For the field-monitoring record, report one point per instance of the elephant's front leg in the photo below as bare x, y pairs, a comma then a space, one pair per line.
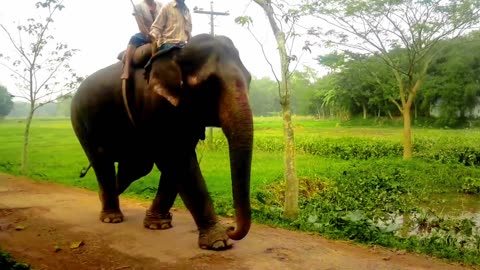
158, 216
193, 190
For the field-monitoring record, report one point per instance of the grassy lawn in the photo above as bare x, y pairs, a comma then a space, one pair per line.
353, 178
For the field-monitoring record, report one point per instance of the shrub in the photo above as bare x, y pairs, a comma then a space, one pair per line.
7, 262
471, 185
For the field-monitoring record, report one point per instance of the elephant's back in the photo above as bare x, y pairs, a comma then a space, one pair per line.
100, 88
101, 82
97, 103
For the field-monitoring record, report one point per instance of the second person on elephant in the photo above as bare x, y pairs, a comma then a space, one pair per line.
145, 14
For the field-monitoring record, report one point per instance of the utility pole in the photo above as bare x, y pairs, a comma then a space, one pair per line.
212, 13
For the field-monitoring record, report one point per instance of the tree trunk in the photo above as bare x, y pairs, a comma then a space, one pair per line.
364, 107
407, 132
26, 138
291, 191
415, 108
390, 114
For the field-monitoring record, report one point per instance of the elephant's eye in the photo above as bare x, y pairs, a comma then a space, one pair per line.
239, 84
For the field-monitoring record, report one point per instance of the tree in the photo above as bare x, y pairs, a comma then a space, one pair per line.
363, 80
39, 65
321, 103
355, 84
378, 26
6, 103
302, 84
454, 80
281, 16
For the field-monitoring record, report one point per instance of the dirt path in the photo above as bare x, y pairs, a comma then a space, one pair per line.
57, 215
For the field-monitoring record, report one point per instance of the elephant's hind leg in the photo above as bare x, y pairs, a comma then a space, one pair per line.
105, 172
158, 217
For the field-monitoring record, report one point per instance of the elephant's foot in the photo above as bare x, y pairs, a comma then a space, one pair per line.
214, 238
154, 221
111, 216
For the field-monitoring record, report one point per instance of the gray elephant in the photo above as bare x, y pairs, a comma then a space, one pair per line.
203, 84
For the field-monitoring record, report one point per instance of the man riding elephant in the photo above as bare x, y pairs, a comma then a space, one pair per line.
173, 26
145, 13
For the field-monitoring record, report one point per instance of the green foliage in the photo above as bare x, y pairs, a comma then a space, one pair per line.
453, 81
303, 89
375, 203
422, 73
450, 91
7, 262
444, 150
264, 94
6, 103
360, 85
263, 97
471, 185
350, 148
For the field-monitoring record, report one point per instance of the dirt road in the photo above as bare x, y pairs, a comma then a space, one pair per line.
55, 215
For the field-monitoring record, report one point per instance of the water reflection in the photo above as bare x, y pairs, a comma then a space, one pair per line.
456, 205
462, 210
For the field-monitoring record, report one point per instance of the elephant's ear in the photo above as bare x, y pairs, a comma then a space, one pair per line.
166, 93
198, 60
206, 69
166, 80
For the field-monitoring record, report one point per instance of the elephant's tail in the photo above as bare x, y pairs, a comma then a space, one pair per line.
84, 171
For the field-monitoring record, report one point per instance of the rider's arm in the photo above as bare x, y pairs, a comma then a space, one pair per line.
158, 26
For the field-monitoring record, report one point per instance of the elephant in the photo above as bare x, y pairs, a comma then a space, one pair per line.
170, 103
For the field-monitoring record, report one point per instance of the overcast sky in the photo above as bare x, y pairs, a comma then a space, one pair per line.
101, 29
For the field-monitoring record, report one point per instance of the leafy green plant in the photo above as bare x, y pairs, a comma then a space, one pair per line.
7, 262
471, 185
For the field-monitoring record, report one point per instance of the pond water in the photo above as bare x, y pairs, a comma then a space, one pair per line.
456, 205
436, 208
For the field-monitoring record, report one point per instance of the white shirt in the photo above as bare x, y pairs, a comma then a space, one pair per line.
143, 10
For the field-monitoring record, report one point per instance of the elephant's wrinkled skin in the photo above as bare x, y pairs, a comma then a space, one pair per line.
168, 122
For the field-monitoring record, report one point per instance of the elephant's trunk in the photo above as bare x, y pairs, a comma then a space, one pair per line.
237, 124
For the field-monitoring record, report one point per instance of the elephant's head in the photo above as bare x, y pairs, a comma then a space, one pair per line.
208, 79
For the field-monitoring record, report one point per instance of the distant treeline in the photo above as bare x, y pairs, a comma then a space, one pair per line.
360, 85
60, 108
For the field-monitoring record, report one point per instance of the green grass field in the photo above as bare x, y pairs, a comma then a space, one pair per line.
353, 178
